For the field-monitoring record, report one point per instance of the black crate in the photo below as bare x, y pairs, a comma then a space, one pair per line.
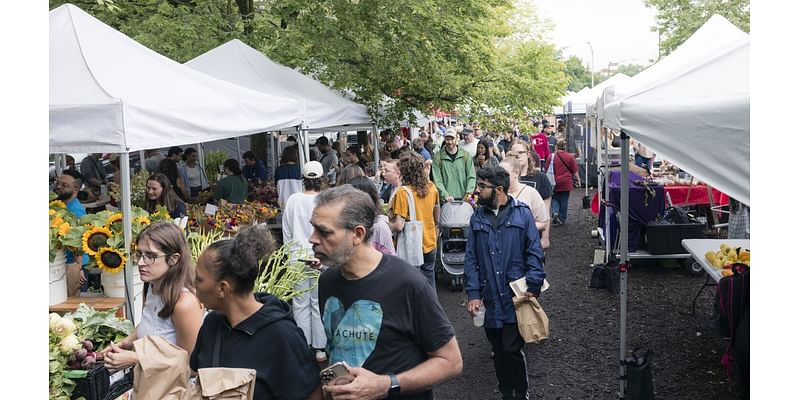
100, 384
666, 238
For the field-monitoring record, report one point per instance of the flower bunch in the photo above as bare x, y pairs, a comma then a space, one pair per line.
65, 231
230, 217
104, 241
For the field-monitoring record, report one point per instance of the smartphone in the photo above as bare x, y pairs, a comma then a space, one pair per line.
336, 374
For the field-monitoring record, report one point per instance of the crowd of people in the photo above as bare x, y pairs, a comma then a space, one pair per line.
348, 218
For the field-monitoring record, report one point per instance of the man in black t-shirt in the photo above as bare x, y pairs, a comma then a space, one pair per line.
380, 315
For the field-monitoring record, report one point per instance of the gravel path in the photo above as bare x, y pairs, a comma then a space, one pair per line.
580, 359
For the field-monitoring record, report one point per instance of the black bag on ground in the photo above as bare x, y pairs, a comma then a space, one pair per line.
639, 375
598, 280
605, 276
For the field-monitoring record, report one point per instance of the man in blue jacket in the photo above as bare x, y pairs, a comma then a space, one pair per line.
502, 246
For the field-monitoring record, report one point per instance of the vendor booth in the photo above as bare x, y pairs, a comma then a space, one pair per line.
110, 94
693, 110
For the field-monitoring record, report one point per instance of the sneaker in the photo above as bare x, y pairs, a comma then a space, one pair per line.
321, 356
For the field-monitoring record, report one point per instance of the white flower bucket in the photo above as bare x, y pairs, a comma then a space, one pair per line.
58, 279
114, 286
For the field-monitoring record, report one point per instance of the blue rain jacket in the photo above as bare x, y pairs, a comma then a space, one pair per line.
497, 256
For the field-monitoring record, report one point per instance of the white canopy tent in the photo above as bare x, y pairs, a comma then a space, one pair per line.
109, 93
695, 112
323, 109
716, 33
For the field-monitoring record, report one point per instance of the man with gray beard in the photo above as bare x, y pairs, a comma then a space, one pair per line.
381, 317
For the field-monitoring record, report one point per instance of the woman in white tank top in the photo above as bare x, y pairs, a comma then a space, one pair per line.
171, 309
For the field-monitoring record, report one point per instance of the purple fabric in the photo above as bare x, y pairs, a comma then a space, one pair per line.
639, 214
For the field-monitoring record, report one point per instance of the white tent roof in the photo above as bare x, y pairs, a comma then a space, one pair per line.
716, 33
587, 96
323, 108
109, 93
698, 118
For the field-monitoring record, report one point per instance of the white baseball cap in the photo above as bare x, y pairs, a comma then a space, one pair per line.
312, 170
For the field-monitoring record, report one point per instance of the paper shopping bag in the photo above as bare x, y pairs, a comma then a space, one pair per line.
162, 371
534, 326
225, 384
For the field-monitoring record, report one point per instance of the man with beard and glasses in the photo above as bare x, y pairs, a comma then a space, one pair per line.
381, 316
67, 188
502, 246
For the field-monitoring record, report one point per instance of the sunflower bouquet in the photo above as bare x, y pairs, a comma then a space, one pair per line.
103, 239
65, 231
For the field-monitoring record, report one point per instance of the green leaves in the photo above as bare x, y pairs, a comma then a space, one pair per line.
678, 19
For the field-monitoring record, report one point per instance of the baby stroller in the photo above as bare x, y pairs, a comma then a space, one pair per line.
453, 224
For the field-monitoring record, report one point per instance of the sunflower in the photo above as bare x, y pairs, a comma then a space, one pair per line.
95, 238
115, 217
58, 204
63, 229
110, 260
57, 221
142, 219
51, 212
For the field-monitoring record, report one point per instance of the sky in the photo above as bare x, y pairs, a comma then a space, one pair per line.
619, 30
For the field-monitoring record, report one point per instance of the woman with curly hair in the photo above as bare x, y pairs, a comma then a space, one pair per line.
418, 188
250, 330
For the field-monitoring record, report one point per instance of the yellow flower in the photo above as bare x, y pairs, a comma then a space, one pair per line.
57, 221
51, 212
142, 219
63, 229
58, 204
94, 239
115, 217
110, 260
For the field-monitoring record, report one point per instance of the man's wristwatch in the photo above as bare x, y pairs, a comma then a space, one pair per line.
394, 387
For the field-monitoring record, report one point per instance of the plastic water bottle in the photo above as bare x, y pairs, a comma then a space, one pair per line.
479, 316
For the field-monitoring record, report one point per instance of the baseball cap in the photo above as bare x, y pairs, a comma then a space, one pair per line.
450, 132
545, 123
322, 140
312, 170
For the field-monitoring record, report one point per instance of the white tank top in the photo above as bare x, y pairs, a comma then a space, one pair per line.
152, 324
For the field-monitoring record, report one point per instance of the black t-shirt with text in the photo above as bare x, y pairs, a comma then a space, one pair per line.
385, 322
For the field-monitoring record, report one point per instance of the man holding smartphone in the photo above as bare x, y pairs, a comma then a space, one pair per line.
381, 316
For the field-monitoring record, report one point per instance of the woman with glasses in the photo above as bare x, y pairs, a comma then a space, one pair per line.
531, 175
171, 308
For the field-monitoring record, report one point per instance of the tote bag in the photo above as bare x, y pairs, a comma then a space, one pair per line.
409, 241
550, 174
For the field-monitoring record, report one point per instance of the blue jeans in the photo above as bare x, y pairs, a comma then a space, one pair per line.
643, 162
428, 259
559, 205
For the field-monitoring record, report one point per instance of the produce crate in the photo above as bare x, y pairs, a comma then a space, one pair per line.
99, 384
666, 238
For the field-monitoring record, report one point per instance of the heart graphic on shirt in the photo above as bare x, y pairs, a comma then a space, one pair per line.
352, 332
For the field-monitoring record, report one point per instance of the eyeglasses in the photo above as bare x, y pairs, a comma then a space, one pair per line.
147, 258
482, 186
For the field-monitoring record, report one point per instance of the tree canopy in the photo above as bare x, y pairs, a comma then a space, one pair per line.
676, 20
393, 56
579, 75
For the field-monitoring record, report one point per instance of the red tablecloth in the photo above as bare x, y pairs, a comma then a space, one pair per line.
694, 195
697, 195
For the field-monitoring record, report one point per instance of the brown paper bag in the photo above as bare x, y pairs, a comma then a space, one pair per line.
162, 371
534, 326
224, 384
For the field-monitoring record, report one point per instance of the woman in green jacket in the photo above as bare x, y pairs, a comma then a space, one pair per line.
233, 187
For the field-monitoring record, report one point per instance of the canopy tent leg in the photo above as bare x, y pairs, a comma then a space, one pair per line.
59, 161
376, 155
239, 148
623, 262
606, 193
125, 202
306, 148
